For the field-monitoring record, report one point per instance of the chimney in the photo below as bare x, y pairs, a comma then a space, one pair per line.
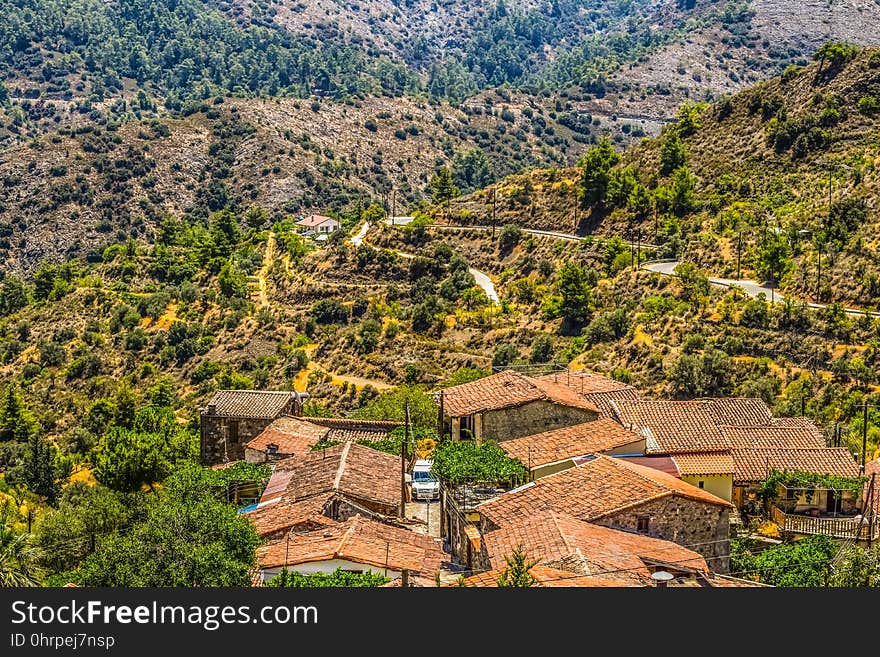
661, 578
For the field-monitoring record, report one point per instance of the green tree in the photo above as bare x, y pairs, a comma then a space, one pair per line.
471, 170
391, 404
232, 281
13, 295
18, 558
542, 349
574, 289
596, 165
189, 537
774, 256
517, 574
804, 563
16, 422
673, 154
443, 187
68, 535
858, 566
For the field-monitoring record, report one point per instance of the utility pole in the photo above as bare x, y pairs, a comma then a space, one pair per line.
739, 244
871, 511
393, 205
818, 271
403, 445
638, 247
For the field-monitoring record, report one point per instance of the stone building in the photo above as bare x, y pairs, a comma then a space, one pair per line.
336, 483
509, 405
234, 417
614, 493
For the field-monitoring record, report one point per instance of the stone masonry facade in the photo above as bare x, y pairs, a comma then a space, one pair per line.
531, 418
703, 528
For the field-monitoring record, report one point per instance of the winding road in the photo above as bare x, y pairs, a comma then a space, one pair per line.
482, 279
751, 288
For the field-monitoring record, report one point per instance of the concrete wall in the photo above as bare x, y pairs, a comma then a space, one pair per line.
701, 527
531, 418
328, 567
719, 485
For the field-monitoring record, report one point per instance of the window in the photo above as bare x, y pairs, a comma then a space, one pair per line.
642, 523
701, 484
467, 424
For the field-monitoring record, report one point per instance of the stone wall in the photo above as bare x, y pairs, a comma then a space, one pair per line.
701, 527
234, 431
531, 418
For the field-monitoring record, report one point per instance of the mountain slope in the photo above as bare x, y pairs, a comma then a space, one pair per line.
760, 161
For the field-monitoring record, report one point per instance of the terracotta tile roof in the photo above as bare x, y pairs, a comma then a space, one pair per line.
551, 446
362, 541
296, 435
600, 487
584, 381
754, 464
349, 469
565, 542
704, 463
711, 425
505, 389
656, 461
353, 423
263, 404
276, 516
603, 400
545, 577
788, 433
670, 426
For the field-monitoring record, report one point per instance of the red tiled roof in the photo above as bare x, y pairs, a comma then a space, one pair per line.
562, 541
559, 444
360, 540
711, 425
704, 463
277, 516
584, 381
313, 220
263, 404
600, 487
296, 435
755, 464
656, 462
506, 389
544, 577
783, 433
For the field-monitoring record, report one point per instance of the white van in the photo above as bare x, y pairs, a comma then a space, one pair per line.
425, 486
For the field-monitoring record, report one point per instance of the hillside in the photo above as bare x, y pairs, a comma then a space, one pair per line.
73, 192
757, 163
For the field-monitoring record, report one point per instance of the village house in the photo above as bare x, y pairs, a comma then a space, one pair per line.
357, 544
296, 436
337, 482
608, 491
234, 417
561, 541
509, 405
552, 451
316, 224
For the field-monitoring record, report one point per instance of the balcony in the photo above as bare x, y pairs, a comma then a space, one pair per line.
836, 526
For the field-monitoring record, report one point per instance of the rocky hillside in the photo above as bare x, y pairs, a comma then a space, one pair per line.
795, 158
73, 192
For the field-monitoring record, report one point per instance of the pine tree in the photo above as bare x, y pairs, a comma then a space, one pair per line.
517, 572
16, 422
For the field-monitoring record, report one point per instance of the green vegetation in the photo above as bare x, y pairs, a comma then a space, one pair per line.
516, 573
464, 461
809, 482
337, 579
804, 563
